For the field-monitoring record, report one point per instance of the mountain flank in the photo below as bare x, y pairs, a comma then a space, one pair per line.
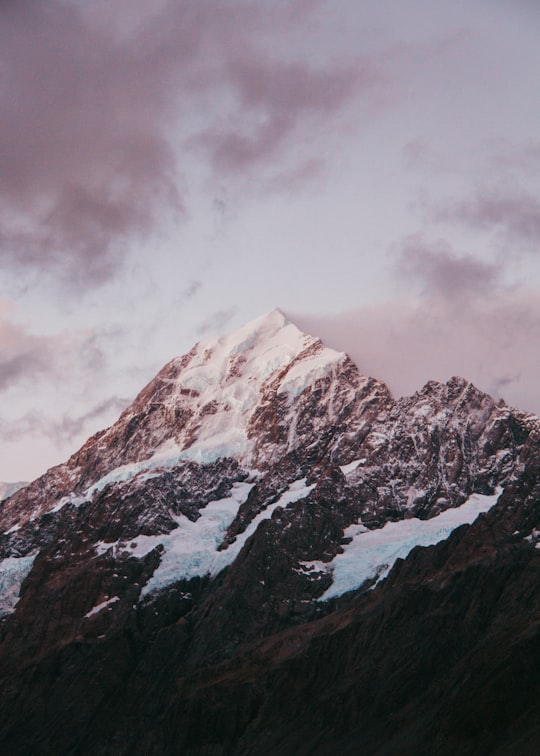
268, 553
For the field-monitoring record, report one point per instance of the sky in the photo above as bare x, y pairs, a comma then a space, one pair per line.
171, 170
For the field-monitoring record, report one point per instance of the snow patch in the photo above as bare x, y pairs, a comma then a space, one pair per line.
372, 553
309, 370
191, 549
13, 572
8, 489
346, 469
72, 499
100, 607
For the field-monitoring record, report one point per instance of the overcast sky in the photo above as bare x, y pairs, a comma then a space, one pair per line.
170, 170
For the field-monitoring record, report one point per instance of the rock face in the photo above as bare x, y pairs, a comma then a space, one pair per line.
268, 553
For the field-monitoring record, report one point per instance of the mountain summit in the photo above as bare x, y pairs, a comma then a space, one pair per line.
262, 524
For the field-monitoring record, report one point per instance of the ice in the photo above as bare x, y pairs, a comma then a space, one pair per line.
123, 473
72, 499
191, 549
13, 571
346, 469
307, 371
372, 553
8, 489
100, 607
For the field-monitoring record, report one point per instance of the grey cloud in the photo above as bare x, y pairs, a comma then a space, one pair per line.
419, 155
514, 214
13, 367
83, 168
22, 355
72, 426
297, 177
277, 99
441, 272
94, 111
62, 431
500, 203
27, 359
190, 291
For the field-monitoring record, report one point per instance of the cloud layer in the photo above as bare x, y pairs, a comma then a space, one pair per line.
100, 119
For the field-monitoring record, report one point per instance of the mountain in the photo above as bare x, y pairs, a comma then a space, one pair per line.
268, 553
7, 489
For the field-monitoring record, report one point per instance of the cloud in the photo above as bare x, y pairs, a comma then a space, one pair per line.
63, 431
493, 342
94, 113
441, 272
499, 198
23, 356
455, 312
30, 360
276, 100
513, 215
420, 156
83, 166
189, 292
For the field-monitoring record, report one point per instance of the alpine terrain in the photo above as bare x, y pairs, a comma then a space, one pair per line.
269, 554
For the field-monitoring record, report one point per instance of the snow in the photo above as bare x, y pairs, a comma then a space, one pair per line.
126, 472
372, 553
104, 605
230, 373
191, 549
8, 489
309, 370
13, 572
534, 537
72, 499
346, 469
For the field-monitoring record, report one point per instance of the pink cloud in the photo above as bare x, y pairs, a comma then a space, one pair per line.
63, 430
278, 100
28, 359
493, 342
94, 112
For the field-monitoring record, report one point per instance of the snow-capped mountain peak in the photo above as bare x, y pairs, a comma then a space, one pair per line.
234, 396
258, 483
201, 406
250, 355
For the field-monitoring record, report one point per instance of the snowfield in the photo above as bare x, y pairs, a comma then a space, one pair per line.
191, 549
13, 571
372, 553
